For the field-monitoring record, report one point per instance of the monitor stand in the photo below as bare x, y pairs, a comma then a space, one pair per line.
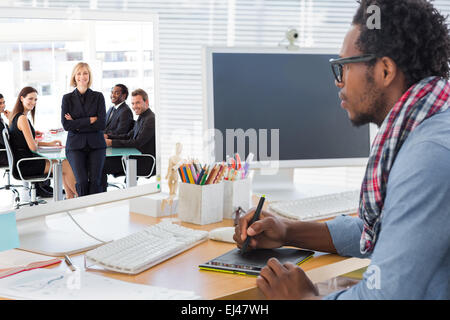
279, 186
276, 186
58, 235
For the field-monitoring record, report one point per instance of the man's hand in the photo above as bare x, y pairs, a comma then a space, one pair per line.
269, 232
108, 142
105, 135
92, 119
285, 282
68, 116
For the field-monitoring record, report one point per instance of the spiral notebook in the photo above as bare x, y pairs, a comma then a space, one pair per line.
253, 261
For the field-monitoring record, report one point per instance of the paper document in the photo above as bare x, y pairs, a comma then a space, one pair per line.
55, 284
19, 258
15, 261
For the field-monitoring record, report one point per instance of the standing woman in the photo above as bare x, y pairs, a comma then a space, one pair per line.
23, 143
83, 115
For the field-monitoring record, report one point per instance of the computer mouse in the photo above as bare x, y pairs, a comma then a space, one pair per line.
224, 234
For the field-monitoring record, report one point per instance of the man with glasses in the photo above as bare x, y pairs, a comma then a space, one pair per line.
395, 77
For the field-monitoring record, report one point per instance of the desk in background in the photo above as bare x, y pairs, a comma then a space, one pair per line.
60, 155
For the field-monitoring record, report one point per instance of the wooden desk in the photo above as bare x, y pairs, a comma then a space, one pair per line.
182, 272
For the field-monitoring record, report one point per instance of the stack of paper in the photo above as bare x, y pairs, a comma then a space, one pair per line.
15, 261
16, 258
54, 284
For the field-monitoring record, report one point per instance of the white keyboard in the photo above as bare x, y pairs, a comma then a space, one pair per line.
146, 248
319, 207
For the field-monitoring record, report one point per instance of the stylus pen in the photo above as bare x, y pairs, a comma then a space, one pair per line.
69, 263
255, 218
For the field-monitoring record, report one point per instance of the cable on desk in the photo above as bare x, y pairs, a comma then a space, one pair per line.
82, 229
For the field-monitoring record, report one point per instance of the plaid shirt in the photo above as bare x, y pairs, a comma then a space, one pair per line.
420, 102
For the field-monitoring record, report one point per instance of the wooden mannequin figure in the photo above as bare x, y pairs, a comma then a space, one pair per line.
172, 176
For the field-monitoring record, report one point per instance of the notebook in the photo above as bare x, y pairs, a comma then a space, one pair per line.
16, 261
253, 261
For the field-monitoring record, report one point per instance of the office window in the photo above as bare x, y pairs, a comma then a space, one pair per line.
30, 62
46, 89
35, 58
113, 74
74, 56
186, 26
26, 65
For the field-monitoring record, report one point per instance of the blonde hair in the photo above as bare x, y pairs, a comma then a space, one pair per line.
79, 65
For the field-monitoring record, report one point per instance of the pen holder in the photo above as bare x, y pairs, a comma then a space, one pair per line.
200, 204
236, 194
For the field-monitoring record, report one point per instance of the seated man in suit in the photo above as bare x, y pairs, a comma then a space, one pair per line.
141, 137
119, 119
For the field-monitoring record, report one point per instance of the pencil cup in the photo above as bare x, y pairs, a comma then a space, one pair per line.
200, 204
236, 194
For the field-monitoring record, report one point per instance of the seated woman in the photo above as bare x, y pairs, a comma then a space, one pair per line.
3, 158
22, 140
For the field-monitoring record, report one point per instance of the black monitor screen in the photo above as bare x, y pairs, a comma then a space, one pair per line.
294, 93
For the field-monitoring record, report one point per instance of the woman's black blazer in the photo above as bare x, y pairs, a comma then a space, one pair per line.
81, 132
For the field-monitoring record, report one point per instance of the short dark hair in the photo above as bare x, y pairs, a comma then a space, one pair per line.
140, 92
123, 89
413, 34
1, 96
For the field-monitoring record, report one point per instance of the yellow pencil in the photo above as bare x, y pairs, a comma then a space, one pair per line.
191, 178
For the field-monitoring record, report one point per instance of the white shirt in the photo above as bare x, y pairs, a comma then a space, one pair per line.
118, 105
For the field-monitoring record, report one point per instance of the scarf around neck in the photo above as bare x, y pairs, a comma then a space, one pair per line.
421, 101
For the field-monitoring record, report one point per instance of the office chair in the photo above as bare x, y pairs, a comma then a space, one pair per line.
122, 185
117, 185
8, 185
141, 155
32, 180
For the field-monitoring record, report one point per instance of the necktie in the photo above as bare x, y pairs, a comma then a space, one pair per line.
111, 113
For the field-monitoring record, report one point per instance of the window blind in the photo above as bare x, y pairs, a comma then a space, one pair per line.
185, 26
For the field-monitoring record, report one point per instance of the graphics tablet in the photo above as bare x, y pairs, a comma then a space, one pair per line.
253, 261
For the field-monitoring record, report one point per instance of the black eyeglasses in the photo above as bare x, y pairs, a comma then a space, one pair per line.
337, 65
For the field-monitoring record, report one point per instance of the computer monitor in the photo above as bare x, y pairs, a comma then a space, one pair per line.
120, 47
282, 106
